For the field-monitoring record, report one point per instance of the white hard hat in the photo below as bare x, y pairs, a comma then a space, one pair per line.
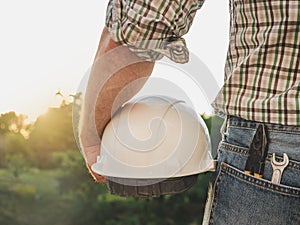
154, 137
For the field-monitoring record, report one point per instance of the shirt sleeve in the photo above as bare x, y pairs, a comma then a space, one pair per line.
152, 28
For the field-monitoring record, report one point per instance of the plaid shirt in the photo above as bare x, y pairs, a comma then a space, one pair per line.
262, 71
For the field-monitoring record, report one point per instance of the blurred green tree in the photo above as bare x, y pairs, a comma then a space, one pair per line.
11, 122
14, 152
51, 145
52, 132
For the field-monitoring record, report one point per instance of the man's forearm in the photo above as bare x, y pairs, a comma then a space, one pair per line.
114, 68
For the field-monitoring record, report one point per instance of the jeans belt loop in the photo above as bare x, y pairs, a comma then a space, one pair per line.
223, 129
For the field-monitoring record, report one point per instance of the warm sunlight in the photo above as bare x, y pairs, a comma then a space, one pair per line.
210, 133
54, 52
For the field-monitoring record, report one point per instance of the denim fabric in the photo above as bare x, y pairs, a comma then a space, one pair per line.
238, 198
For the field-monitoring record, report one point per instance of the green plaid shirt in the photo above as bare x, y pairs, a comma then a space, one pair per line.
262, 71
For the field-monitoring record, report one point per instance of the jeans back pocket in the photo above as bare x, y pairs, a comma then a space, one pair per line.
239, 198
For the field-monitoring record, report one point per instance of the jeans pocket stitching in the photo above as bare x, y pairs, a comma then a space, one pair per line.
233, 148
215, 190
260, 183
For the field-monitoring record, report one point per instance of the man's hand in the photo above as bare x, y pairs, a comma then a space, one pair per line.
91, 157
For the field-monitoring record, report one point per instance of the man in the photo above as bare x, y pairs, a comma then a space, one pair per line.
261, 89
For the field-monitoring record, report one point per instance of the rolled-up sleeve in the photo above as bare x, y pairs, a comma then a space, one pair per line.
152, 28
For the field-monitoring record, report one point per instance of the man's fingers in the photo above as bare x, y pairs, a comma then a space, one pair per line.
91, 154
97, 177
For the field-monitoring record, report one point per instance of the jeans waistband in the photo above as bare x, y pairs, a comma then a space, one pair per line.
239, 122
281, 138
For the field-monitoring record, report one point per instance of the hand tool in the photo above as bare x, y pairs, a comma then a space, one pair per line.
257, 153
278, 168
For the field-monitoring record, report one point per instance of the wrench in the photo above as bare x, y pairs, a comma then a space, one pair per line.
278, 168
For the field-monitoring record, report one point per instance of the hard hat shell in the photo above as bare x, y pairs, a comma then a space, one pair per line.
154, 137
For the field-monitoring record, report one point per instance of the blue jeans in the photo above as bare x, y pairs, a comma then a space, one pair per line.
238, 198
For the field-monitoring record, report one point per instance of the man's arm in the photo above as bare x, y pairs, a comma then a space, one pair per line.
113, 69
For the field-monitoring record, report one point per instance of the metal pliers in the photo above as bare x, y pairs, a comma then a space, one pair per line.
257, 153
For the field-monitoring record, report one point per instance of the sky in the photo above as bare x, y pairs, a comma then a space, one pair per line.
46, 46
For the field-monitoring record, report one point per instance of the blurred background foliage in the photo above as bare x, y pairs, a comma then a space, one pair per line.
43, 180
